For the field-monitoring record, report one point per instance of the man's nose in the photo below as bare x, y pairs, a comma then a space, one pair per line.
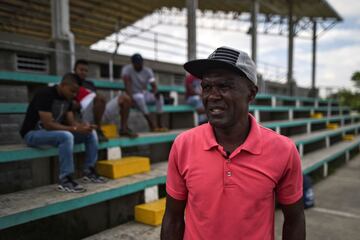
214, 93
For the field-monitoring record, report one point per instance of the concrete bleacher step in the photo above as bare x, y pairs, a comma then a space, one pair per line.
321, 134
304, 121
18, 152
151, 213
29, 205
10, 153
31, 78
20, 108
130, 230
123, 167
325, 135
317, 159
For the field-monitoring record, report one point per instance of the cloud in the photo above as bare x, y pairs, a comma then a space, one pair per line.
346, 8
335, 37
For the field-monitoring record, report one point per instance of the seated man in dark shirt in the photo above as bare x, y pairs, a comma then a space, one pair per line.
50, 121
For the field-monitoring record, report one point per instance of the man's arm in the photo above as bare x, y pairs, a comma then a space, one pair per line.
294, 221
173, 224
154, 88
49, 123
127, 82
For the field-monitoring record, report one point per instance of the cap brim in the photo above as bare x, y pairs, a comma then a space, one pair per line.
201, 66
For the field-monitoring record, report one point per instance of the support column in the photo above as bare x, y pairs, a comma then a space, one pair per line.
313, 72
64, 42
191, 28
290, 49
254, 13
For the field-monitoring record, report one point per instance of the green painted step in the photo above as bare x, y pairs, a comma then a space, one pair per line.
105, 84
20, 108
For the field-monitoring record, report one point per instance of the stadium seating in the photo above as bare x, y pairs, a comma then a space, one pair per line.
305, 120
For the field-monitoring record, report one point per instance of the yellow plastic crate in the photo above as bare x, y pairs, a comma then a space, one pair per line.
151, 213
123, 167
110, 130
332, 126
317, 115
348, 137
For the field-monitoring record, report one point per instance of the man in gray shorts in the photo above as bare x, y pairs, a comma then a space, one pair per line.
93, 106
137, 77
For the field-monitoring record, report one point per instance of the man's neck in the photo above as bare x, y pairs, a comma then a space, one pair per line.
232, 137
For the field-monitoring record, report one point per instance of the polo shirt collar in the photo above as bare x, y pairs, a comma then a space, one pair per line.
210, 140
252, 144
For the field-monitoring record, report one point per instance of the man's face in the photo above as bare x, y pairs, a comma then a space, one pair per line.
82, 71
138, 66
226, 97
69, 91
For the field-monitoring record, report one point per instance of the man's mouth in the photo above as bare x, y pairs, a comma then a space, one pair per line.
216, 110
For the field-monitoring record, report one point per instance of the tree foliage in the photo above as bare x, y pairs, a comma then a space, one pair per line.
350, 98
356, 79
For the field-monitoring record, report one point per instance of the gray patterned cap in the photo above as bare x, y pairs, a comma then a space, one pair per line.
224, 58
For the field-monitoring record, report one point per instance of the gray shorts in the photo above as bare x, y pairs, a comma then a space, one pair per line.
111, 113
147, 98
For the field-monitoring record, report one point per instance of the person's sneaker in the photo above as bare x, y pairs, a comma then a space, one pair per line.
128, 133
90, 176
67, 184
101, 136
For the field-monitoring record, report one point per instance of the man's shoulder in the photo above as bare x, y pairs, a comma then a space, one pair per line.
88, 84
45, 92
196, 133
147, 69
127, 67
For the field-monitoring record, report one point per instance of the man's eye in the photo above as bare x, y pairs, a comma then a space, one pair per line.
224, 86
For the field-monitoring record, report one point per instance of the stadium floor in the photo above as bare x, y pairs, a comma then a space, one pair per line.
337, 211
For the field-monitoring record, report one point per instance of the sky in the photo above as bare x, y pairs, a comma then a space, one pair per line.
338, 50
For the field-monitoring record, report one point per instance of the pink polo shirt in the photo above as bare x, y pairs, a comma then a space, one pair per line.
233, 198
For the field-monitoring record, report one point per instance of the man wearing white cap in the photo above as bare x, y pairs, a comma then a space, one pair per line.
226, 174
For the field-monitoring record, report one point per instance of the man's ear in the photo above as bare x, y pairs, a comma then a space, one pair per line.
252, 93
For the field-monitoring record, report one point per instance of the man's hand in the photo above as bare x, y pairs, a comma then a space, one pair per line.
84, 128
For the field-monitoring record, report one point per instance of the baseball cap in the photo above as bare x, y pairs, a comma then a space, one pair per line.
137, 58
224, 58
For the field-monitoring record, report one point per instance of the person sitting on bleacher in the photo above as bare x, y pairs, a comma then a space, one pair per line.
137, 77
193, 96
50, 121
93, 106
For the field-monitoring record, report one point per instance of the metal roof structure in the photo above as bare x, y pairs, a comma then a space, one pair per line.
93, 20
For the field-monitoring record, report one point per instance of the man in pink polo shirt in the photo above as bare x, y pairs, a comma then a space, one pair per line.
226, 174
